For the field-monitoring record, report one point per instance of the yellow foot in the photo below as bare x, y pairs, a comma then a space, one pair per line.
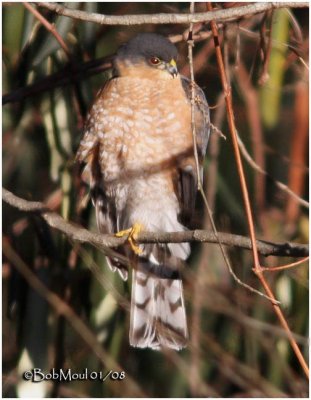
132, 234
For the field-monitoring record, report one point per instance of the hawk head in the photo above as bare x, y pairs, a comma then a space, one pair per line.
147, 55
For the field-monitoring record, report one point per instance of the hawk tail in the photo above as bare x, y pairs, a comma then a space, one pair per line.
158, 317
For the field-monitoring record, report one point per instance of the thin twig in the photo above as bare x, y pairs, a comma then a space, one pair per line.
277, 183
257, 267
285, 159
266, 47
50, 27
194, 136
218, 15
197, 36
255, 36
251, 99
287, 266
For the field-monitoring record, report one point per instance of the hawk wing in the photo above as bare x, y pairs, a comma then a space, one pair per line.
88, 153
187, 175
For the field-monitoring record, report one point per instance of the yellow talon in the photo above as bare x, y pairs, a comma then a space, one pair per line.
132, 233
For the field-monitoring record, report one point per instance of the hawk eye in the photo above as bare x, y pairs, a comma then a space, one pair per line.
154, 60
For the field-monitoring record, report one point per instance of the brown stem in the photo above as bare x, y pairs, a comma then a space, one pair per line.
50, 27
256, 268
298, 146
287, 266
232, 128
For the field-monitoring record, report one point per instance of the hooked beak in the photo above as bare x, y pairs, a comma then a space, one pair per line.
171, 67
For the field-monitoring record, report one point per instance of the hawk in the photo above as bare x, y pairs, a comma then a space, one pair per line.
138, 150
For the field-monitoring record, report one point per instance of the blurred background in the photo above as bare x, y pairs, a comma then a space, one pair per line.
237, 347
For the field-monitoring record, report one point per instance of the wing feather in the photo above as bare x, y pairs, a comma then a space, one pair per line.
88, 153
187, 176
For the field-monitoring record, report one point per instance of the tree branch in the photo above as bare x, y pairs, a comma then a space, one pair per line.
106, 242
218, 15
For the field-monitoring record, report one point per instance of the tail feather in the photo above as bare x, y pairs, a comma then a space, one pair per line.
158, 317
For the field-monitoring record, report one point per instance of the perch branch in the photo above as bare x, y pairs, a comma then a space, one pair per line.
217, 15
105, 242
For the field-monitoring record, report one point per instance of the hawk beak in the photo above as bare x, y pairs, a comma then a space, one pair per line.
172, 68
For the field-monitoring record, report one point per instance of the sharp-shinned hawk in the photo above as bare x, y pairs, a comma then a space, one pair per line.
138, 149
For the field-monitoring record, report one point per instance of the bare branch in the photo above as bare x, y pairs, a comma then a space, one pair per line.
218, 15
106, 242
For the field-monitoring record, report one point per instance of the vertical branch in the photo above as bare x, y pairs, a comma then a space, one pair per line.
257, 267
200, 186
196, 317
194, 136
231, 123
